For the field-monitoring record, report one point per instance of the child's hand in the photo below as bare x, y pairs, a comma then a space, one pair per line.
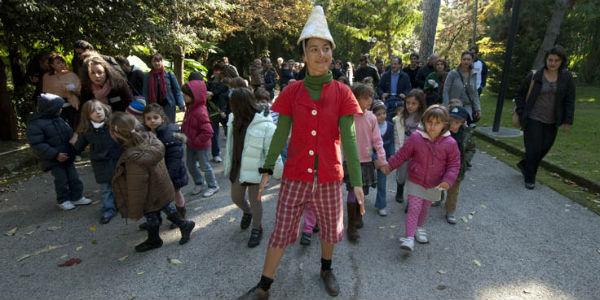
73, 139
62, 157
264, 181
443, 186
360, 198
385, 169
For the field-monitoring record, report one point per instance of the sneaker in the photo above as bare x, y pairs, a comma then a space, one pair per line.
408, 243
210, 191
450, 218
106, 218
331, 285
82, 201
246, 220
217, 159
305, 239
255, 293
67, 205
197, 190
382, 212
421, 235
529, 186
436, 203
255, 236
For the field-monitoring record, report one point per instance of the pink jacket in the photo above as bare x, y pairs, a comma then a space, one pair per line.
431, 162
368, 138
196, 124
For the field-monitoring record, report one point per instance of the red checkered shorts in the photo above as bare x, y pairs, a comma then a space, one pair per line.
293, 196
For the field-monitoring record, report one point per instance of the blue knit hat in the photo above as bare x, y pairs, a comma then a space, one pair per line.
136, 107
459, 113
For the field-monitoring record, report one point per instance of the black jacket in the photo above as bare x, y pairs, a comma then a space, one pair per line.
422, 75
118, 98
48, 134
385, 84
565, 97
104, 151
135, 80
173, 154
412, 74
367, 71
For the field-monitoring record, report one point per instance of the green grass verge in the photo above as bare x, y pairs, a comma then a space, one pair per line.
576, 151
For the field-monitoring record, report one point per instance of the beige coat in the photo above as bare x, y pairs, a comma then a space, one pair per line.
141, 181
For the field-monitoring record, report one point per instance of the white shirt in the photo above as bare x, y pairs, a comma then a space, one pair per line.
477, 68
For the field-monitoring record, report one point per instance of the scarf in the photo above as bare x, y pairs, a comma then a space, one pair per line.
101, 92
314, 84
156, 76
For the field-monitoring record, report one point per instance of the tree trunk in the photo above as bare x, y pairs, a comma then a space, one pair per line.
431, 11
553, 30
178, 66
8, 123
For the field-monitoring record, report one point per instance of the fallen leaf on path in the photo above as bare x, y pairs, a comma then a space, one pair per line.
64, 256
441, 287
393, 226
567, 210
140, 272
123, 258
555, 174
477, 263
567, 205
93, 228
197, 208
231, 220
70, 262
442, 272
30, 233
12, 231
53, 228
483, 206
464, 219
174, 261
43, 250
78, 248
526, 292
470, 217
381, 227
95, 202
94, 242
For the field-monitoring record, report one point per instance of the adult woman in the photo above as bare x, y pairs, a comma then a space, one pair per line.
461, 84
316, 105
62, 82
99, 80
434, 83
161, 87
545, 102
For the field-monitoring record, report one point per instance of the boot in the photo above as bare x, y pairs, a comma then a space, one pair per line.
153, 241
185, 226
353, 235
399, 192
181, 211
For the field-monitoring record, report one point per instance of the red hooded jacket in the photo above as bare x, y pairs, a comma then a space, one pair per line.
196, 124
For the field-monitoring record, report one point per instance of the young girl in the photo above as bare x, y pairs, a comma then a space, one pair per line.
198, 129
249, 134
368, 138
141, 181
156, 121
104, 151
405, 123
434, 162
386, 129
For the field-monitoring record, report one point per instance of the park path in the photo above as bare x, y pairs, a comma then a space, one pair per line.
510, 243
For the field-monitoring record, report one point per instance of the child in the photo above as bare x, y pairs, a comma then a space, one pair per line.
104, 151
156, 121
434, 162
463, 136
198, 129
141, 181
367, 139
136, 108
405, 123
49, 135
249, 134
386, 128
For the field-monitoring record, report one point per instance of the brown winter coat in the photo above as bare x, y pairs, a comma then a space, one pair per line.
141, 181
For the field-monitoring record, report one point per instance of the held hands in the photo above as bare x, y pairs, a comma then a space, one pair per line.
62, 157
385, 169
360, 198
443, 186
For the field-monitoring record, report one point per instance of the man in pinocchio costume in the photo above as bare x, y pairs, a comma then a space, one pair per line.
319, 112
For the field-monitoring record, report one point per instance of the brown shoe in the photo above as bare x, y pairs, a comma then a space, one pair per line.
331, 284
353, 235
255, 293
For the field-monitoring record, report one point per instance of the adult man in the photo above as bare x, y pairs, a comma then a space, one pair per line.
426, 70
393, 86
365, 70
480, 68
227, 65
412, 69
312, 175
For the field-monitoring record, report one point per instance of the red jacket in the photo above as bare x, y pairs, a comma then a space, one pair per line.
431, 162
315, 130
196, 124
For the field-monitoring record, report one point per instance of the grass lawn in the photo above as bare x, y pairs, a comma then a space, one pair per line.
578, 150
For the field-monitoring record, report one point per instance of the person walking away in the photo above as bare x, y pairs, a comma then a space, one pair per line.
94, 131
434, 165
49, 135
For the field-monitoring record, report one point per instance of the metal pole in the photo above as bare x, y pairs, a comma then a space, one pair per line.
510, 44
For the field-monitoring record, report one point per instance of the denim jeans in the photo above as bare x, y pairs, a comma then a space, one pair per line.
67, 184
108, 200
200, 156
380, 200
215, 147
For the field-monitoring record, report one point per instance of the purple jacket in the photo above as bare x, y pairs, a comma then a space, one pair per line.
431, 162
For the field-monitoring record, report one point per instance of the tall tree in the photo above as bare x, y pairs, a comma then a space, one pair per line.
559, 12
431, 11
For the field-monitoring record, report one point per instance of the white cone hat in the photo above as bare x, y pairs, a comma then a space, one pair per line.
316, 27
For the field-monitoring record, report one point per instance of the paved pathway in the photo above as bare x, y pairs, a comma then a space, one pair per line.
512, 244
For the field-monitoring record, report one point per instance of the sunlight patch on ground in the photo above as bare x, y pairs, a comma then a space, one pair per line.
532, 289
